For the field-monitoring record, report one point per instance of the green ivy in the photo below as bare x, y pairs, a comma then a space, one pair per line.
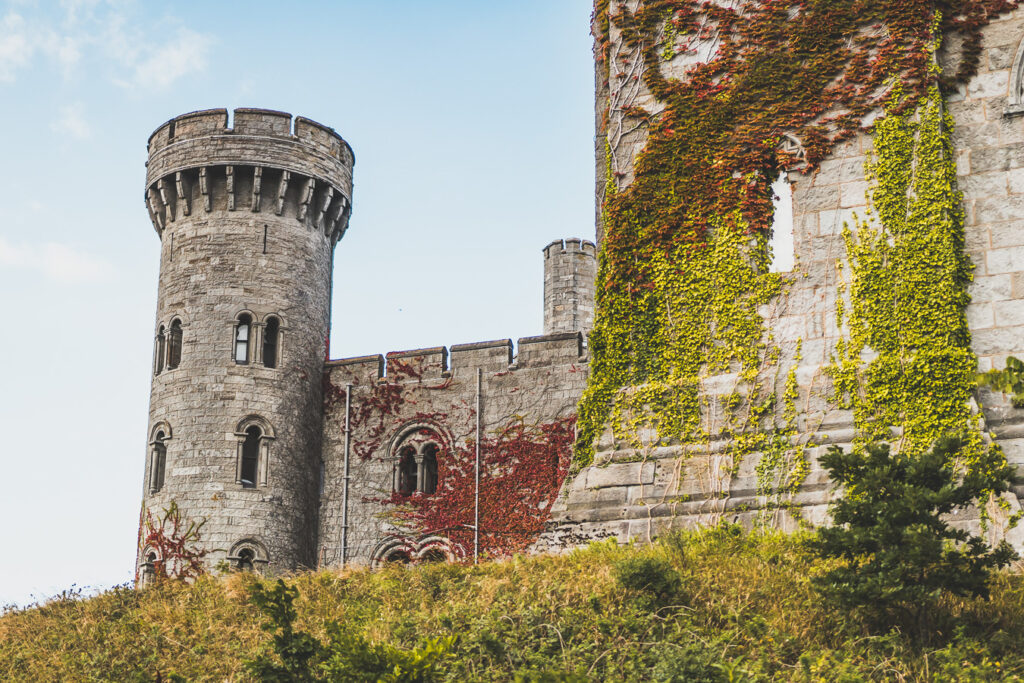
908, 362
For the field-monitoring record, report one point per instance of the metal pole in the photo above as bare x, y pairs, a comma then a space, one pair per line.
476, 495
344, 490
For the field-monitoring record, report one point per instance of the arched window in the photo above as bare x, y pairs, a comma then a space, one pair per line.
271, 334
243, 332
149, 568
174, 351
408, 470
248, 555
158, 456
160, 350
253, 435
416, 461
246, 560
428, 483
251, 456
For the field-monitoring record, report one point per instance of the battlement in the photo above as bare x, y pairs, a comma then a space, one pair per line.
572, 245
465, 359
253, 122
266, 162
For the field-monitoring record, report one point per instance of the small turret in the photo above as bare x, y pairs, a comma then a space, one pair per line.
570, 270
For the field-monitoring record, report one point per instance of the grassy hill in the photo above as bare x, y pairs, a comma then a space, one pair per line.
711, 606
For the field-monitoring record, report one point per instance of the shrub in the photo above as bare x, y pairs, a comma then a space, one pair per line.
898, 552
652, 576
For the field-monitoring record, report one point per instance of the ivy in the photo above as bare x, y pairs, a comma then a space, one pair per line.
908, 281
683, 270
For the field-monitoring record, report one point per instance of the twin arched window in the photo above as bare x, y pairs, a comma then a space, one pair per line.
417, 464
168, 347
245, 337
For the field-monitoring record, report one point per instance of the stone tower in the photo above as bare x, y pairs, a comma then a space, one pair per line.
248, 217
570, 271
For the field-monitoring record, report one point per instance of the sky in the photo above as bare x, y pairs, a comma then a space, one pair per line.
472, 124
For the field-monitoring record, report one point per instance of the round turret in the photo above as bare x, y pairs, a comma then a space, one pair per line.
248, 217
570, 272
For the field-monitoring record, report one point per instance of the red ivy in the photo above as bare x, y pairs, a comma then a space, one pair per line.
522, 468
175, 543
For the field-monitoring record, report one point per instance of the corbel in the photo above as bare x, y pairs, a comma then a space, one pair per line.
179, 184
161, 187
154, 208
307, 197
328, 197
204, 189
257, 181
282, 188
230, 170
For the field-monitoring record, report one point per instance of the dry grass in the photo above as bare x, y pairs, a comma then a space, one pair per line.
745, 610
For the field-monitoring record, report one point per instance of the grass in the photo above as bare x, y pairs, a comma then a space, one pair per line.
715, 605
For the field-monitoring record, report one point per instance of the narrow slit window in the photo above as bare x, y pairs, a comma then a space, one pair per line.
242, 334
780, 246
174, 352
271, 333
158, 464
161, 347
250, 457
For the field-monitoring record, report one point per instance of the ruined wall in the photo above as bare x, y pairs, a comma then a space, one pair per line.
632, 492
247, 218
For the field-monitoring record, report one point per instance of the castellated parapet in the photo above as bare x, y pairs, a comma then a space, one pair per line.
570, 270
248, 217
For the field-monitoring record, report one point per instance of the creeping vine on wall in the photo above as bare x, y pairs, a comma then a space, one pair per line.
683, 273
523, 464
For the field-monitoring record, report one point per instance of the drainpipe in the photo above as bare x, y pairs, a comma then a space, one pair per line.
344, 490
476, 496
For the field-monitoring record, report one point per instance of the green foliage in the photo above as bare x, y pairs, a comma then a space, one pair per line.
1009, 380
298, 657
652, 576
750, 614
899, 553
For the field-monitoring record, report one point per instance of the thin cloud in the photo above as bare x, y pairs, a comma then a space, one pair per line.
169, 62
139, 53
72, 122
55, 261
15, 48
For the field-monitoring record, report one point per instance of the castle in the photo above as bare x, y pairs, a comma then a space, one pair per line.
449, 453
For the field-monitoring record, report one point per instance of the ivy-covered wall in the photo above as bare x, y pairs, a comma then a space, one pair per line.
715, 382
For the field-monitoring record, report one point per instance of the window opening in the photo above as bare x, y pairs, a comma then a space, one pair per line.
250, 457
398, 558
160, 348
407, 472
428, 482
433, 555
242, 331
159, 463
270, 335
246, 560
174, 354
780, 245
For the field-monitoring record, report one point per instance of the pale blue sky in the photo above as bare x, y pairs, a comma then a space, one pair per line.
472, 124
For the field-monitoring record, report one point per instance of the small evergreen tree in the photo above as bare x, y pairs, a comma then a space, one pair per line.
899, 553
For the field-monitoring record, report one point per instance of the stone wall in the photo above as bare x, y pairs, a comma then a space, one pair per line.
570, 268
540, 384
633, 494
